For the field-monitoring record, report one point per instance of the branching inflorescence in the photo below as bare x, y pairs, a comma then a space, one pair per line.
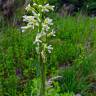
41, 22
43, 25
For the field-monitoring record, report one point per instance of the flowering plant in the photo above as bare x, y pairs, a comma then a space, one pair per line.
44, 31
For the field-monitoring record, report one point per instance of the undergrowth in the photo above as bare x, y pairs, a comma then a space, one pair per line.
73, 57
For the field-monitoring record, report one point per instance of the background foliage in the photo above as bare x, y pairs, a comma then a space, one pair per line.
73, 57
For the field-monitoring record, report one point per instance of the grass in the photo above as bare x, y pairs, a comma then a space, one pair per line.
73, 57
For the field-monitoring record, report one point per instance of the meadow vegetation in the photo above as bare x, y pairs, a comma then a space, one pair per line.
72, 63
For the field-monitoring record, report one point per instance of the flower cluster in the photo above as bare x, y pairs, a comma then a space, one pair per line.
45, 8
32, 21
43, 24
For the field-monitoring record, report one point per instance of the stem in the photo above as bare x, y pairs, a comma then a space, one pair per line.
43, 79
42, 64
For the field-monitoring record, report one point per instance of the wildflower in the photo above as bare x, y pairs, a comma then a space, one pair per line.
37, 16
43, 31
32, 21
49, 7
53, 33
50, 48
34, 4
45, 27
40, 6
28, 18
46, 24
48, 21
37, 39
51, 80
26, 27
28, 8
46, 8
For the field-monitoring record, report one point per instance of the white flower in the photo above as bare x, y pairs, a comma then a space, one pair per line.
43, 33
37, 16
45, 27
40, 6
50, 48
28, 18
46, 8
53, 33
43, 24
51, 80
37, 39
32, 21
48, 21
34, 4
25, 27
28, 8
46, 24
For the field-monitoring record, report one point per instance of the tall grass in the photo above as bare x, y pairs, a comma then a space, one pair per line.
73, 55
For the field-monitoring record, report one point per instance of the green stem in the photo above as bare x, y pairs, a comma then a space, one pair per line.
43, 79
42, 62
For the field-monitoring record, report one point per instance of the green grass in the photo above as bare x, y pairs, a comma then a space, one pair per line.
73, 57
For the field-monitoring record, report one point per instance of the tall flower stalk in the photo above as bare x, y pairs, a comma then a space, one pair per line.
44, 31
